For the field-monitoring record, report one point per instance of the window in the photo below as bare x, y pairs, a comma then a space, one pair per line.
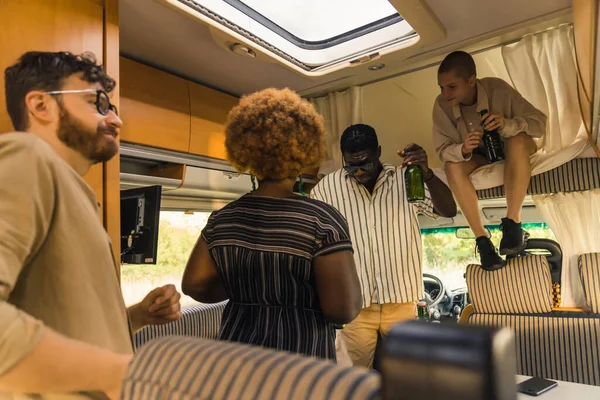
177, 235
311, 34
447, 257
314, 21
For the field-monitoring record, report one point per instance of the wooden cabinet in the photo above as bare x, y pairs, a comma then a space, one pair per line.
51, 25
209, 110
161, 110
155, 107
46, 25
76, 26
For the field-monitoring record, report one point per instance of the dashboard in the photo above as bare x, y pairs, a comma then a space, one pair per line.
452, 303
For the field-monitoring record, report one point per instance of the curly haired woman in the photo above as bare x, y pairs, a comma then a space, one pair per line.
284, 261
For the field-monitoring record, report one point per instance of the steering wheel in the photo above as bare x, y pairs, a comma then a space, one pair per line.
430, 302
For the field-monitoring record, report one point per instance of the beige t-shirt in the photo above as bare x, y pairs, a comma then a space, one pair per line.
56, 264
472, 118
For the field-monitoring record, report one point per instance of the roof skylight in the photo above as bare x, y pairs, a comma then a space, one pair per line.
322, 20
311, 34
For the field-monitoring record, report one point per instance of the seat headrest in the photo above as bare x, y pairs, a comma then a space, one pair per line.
198, 320
179, 367
589, 272
523, 286
437, 361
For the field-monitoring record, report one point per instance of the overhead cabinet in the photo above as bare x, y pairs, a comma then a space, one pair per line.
155, 107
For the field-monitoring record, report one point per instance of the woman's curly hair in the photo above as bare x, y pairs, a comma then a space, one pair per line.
274, 134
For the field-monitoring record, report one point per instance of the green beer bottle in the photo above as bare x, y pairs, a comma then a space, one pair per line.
415, 187
423, 311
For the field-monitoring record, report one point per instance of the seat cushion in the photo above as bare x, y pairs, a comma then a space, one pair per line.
589, 272
187, 368
524, 285
574, 176
565, 348
200, 321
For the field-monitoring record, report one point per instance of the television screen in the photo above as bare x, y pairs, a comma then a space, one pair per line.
140, 209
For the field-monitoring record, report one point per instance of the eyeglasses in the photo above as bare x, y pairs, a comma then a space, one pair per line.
368, 167
102, 102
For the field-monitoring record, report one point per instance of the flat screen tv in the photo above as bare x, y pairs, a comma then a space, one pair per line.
140, 209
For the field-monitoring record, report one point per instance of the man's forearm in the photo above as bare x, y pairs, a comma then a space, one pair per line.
441, 196
58, 364
136, 317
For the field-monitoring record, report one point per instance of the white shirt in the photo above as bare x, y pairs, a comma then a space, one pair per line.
384, 230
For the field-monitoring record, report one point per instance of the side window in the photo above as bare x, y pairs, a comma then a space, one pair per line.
177, 235
447, 256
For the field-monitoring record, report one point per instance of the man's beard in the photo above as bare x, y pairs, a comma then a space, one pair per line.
93, 145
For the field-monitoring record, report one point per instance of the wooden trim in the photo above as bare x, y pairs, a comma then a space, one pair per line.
585, 27
208, 115
112, 198
172, 171
466, 314
570, 309
469, 310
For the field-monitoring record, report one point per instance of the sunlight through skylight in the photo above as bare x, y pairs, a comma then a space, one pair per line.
317, 20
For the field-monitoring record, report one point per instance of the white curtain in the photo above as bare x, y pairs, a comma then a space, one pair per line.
542, 68
339, 110
575, 220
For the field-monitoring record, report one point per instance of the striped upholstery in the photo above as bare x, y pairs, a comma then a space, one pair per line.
589, 272
201, 321
523, 286
553, 347
574, 176
177, 368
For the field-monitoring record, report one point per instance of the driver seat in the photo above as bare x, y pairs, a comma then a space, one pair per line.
552, 343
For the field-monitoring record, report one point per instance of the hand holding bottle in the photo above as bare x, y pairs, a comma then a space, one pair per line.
471, 142
414, 154
491, 121
491, 138
415, 162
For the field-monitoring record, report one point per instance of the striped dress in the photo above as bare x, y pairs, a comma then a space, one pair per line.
263, 248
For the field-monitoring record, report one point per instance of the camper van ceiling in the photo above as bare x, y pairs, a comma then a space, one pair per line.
160, 34
311, 36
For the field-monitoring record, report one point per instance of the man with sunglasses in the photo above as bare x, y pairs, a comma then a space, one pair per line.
385, 233
64, 328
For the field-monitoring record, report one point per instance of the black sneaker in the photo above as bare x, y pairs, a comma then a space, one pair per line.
514, 238
490, 260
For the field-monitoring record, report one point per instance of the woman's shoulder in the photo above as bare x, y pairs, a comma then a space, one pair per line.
290, 206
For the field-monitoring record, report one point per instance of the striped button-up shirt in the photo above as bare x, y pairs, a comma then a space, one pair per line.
384, 230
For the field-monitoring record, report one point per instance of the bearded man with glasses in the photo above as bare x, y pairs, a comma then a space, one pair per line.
385, 234
65, 332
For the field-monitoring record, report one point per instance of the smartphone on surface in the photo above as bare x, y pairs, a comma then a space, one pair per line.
536, 386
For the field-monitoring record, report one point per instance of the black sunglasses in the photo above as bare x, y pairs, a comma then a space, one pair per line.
103, 104
368, 167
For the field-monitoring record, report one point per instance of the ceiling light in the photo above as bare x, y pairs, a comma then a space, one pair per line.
242, 50
376, 67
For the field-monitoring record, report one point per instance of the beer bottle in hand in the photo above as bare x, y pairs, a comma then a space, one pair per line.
415, 187
493, 143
